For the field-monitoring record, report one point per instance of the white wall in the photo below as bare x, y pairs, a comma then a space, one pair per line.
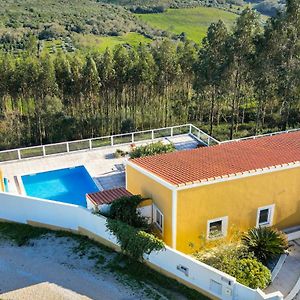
182, 267
293, 235
243, 292
22, 209
146, 211
193, 271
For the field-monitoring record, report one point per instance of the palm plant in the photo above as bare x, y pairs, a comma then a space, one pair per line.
265, 243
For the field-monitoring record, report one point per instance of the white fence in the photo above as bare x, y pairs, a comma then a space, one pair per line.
293, 233
117, 139
170, 262
105, 141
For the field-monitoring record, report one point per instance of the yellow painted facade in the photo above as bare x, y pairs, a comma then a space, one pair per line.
140, 184
1, 181
146, 202
237, 199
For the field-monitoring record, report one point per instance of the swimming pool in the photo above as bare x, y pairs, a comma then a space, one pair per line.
65, 185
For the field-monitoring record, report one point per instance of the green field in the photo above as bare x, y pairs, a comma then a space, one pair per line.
100, 43
193, 21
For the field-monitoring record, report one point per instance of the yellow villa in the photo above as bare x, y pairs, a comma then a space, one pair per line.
206, 191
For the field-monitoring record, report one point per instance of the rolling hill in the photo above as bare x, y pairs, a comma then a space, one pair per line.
91, 24
193, 21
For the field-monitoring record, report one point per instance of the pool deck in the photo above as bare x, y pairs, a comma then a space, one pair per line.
107, 171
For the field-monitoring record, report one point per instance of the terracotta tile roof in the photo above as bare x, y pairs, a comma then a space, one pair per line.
108, 196
223, 160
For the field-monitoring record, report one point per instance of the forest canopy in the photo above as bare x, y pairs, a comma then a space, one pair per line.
240, 81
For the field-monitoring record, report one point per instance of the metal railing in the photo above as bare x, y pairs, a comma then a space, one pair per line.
105, 141
202, 136
253, 137
119, 139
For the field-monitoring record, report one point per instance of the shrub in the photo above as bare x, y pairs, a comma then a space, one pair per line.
128, 225
148, 10
134, 242
220, 257
250, 272
127, 125
125, 209
120, 153
265, 243
151, 149
235, 260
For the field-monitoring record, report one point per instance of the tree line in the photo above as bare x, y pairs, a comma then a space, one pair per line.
246, 76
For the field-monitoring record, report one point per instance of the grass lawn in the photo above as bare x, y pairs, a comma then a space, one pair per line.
193, 21
52, 46
100, 43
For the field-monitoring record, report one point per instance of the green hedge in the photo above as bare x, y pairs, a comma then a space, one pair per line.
151, 149
250, 272
125, 210
134, 242
236, 261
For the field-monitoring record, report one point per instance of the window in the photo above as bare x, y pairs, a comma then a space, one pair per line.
217, 228
265, 216
158, 218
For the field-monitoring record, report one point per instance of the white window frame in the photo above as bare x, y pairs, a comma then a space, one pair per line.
223, 230
156, 210
270, 216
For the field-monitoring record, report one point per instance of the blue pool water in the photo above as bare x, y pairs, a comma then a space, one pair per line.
65, 185
6, 185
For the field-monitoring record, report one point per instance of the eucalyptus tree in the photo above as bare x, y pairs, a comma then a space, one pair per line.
187, 58
91, 86
211, 70
122, 65
63, 76
168, 73
146, 70
264, 75
75, 100
241, 49
29, 73
105, 65
131, 99
7, 73
288, 60
46, 89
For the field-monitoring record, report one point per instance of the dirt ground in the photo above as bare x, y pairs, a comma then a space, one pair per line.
49, 268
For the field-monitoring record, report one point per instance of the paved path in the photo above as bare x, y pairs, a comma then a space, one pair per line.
297, 297
289, 272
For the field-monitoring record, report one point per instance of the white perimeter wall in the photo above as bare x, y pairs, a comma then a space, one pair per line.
293, 235
171, 262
